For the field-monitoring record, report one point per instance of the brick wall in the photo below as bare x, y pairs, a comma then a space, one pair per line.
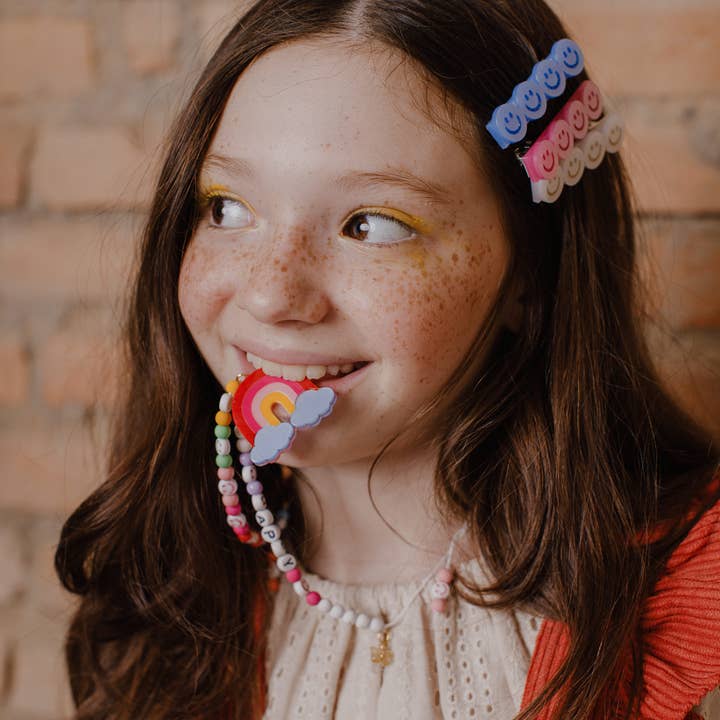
86, 92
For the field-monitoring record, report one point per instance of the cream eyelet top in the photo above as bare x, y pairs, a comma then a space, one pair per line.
467, 663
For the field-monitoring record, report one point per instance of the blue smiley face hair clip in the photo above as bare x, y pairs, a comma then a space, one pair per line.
528, 102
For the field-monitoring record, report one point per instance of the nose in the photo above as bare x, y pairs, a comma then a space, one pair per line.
286, 281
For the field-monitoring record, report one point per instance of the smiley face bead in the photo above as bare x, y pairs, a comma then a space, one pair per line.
548, 191
529, 97
574, 167
549, 75
507, 125
568, 55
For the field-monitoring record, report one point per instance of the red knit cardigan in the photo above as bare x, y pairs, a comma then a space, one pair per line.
680, 626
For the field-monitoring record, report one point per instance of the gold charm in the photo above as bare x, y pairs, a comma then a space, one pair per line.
382, 655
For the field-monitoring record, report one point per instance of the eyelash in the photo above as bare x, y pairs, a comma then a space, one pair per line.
207, 199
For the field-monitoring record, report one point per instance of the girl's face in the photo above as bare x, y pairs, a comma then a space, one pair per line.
341, 222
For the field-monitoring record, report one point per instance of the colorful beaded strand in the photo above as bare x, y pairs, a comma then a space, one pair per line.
271, 532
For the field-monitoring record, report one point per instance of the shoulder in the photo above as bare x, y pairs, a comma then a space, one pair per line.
681, 623
680, 629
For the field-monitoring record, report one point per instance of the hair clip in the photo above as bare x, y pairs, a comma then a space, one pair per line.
588, 153
571, 124
528, 102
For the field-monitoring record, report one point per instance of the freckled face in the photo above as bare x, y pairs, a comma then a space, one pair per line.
303, 268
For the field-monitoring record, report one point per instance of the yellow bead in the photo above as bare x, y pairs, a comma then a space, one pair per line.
232, 386
222, 418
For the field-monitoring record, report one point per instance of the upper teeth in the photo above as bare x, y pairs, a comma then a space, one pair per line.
298, 372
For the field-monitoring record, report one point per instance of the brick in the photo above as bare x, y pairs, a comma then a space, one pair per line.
41, 685
689, 364
213, 19
14, 145
42, 56
86, 168
12, 565
53, 476
76, 362
14, 370
671, 171
66, 258
46, 595
681, 266
151, 30
647, 47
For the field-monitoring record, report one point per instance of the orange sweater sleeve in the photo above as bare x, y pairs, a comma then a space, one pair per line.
681, 630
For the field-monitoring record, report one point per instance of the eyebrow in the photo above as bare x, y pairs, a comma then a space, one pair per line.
431, 192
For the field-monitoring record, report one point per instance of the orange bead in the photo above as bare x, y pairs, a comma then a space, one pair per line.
232, 386
222, 418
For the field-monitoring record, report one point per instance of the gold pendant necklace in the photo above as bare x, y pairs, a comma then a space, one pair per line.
382, 654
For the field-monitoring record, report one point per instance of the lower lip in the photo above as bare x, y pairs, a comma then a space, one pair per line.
346, 382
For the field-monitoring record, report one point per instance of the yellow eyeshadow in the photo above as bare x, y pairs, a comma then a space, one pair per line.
422, 226
213, 190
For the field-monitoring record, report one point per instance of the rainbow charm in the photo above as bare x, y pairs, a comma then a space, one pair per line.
252, 412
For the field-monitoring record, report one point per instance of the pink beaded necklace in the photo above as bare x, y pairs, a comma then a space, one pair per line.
231, 410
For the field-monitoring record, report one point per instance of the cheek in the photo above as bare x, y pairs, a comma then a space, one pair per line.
433, 308
199, 292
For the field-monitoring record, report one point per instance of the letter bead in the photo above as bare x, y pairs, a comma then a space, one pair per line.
243, 445
286, 562
227, 487
277, 548
264, 518
236, 520
222, 446
249, 473
270, 533
439, 590
258, 502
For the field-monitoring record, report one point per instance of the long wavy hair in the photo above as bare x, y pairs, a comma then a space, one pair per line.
559, 448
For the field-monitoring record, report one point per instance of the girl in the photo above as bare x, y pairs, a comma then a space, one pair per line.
342, 205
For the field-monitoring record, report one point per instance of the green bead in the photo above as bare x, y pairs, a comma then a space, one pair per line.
223, 460
222, 431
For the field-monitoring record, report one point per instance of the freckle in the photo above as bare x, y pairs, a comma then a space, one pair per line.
454, 257
283, 268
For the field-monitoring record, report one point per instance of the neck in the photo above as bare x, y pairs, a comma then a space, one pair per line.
350, 543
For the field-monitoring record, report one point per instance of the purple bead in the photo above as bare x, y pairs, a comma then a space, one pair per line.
245, 459
254, 488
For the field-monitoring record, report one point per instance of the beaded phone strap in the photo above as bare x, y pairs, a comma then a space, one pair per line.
243, 404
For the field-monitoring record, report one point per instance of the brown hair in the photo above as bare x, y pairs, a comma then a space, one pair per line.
559, 450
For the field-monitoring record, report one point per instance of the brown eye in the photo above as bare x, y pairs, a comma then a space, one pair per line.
228, 213
377, 229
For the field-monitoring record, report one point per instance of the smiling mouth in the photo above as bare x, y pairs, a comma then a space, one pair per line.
298, 373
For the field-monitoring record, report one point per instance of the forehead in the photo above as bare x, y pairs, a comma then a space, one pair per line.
322, 107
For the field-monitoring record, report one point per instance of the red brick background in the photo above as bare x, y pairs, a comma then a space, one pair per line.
87, 89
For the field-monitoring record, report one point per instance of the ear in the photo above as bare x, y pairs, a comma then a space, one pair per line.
514, 310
